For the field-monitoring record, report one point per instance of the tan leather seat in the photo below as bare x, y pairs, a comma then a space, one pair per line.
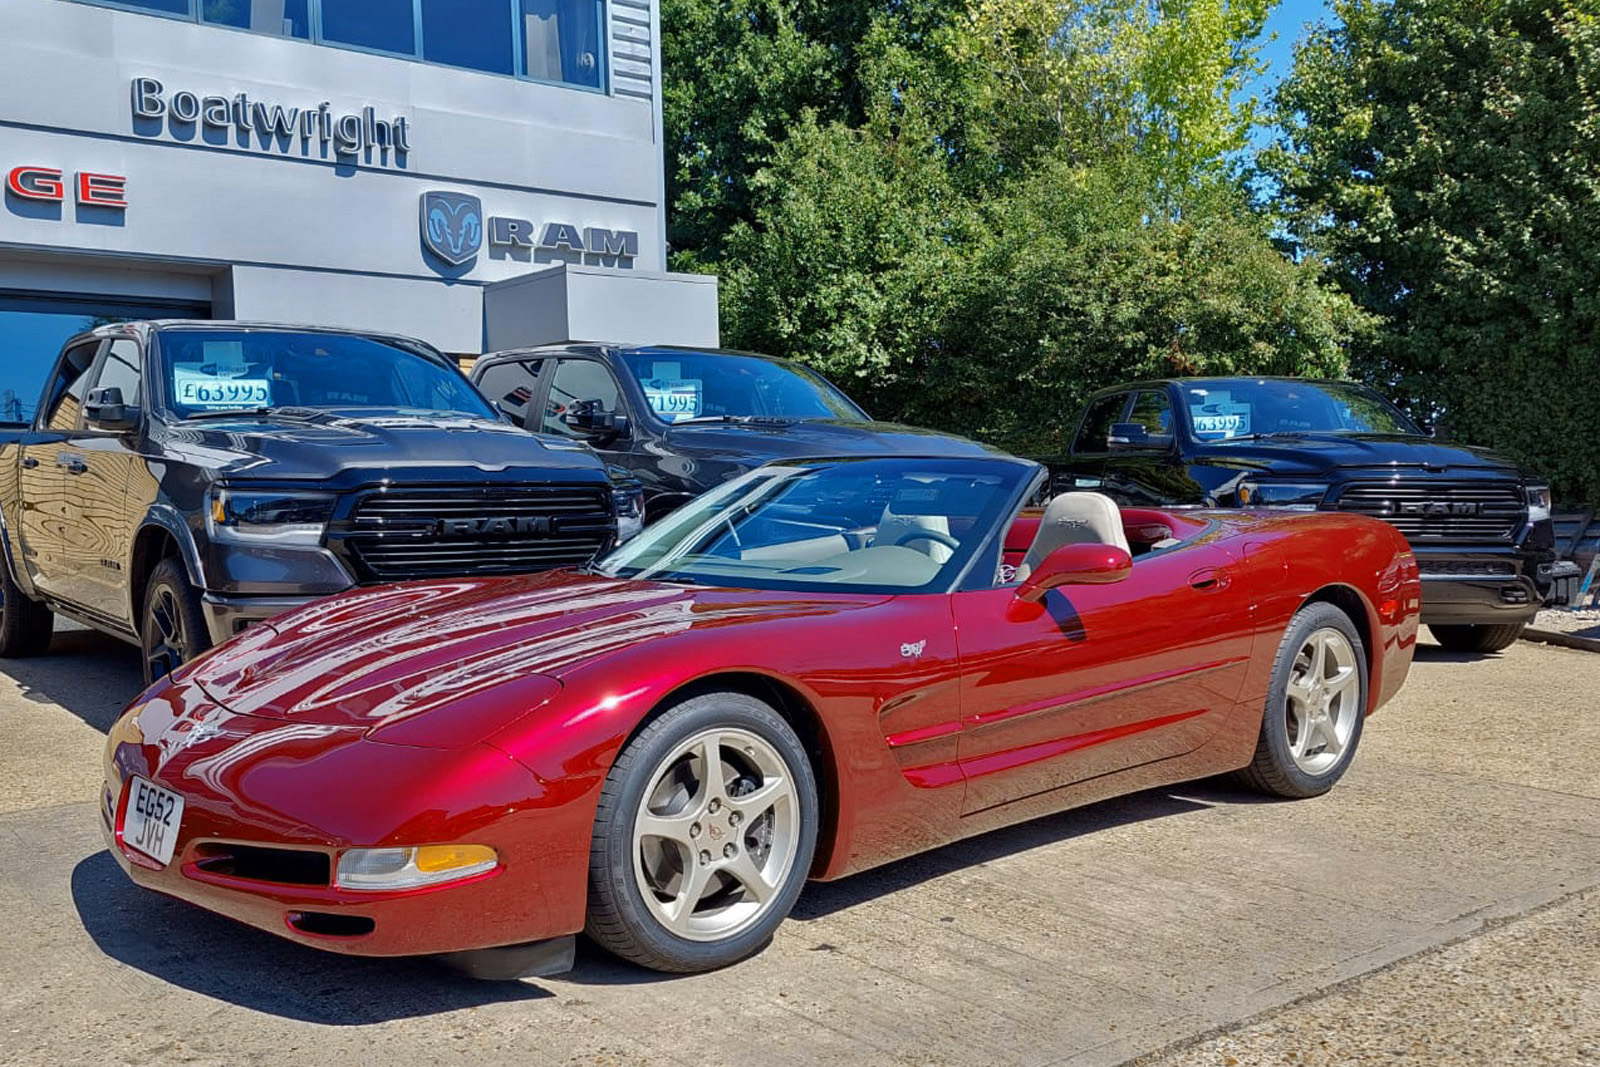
892, 528
1071, 519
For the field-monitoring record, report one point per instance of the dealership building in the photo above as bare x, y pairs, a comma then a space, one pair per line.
478, 173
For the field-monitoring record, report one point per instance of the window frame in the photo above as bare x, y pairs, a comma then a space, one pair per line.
61, 386
547, 387
316, 39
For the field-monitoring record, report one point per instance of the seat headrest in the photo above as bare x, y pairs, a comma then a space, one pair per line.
1074, 518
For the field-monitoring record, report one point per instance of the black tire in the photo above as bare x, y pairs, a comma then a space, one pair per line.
26, 626
619, 919
1274, 769
1477, 638
172, 626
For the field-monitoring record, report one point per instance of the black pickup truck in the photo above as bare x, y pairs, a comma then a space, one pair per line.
1480, 527
185, 479
682, 420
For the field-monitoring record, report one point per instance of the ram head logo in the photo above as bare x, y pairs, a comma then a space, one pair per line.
452, 226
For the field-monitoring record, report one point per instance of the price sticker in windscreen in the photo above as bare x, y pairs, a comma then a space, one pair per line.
673, 400
196, 389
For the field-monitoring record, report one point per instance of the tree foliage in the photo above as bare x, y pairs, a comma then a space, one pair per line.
972, 214
1444, 155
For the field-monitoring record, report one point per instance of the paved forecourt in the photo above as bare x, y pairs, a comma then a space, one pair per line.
1190, 926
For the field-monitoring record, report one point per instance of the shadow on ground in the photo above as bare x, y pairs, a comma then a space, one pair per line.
87, 673
216, 957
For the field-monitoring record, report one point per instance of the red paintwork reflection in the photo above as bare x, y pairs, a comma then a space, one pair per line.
489, 711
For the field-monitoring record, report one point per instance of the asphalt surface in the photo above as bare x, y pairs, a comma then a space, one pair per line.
1441, 906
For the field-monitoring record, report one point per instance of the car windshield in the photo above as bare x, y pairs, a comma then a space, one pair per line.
213, 372
861, 525
1241, 408
681, 386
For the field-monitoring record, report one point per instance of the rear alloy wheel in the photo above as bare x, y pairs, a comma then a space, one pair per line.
172, 628
1316, 706
704, 836
26, 625
1477, 638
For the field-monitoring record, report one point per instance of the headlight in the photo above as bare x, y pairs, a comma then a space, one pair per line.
629, 501
1299, 496
257, 516
410, 868
1538, 503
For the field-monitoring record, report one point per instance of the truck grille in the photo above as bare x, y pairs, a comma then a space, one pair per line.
397, 534
1430, 513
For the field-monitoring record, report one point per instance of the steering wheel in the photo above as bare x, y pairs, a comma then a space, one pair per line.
928, 535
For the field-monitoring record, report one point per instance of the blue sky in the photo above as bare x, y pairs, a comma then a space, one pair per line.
1288, 21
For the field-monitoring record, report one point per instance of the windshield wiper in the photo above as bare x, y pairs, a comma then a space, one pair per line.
770, 420
231, 413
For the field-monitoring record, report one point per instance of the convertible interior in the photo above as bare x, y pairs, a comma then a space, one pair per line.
918, 530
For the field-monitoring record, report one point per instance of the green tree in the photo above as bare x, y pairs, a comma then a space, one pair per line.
1444, 155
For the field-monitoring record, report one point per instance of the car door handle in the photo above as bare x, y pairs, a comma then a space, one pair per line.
1209, 579
72, 464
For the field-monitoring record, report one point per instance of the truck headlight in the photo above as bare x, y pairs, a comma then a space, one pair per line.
379, 869
260, 516
629, 502
1538, 503
1297, 496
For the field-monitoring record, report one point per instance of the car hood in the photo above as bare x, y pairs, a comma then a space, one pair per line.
484, 651
302, 443
782, 438
1321, 453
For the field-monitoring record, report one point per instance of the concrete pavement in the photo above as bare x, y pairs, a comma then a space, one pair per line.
1453, 871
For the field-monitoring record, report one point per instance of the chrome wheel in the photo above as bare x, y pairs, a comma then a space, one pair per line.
716, 834
1323, 700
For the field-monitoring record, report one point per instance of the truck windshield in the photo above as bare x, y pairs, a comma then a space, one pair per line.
889, 525
681, 386
218, 371
1226, 409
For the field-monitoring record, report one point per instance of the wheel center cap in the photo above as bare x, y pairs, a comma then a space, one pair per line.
716, 831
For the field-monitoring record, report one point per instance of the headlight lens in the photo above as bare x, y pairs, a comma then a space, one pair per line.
629, 501
1298, 496
252, 516
1538, 503
380, 869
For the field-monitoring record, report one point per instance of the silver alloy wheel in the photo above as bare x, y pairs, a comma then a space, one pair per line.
1323, 705
716, 834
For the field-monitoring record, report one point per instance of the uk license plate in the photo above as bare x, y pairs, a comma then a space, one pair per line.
151, 825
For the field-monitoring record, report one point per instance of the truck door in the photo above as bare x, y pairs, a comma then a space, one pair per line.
45, 461
1085, 467
1142, 466
102, 464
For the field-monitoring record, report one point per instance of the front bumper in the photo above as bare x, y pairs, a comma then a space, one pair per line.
1499, 589
269, 805
230, 615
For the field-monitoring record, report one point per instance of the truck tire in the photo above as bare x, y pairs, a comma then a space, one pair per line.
26, 625
172, 627
1477, 638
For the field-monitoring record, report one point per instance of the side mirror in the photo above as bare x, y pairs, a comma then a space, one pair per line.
591, 419
1080, 564
104, 409
1132, 436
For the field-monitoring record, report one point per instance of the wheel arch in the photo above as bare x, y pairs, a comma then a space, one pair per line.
160, 537
1364, 618
799, 711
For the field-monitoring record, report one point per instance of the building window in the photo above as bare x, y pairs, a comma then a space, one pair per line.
467, 33
165, 7
381, 25
561, 41
284, 18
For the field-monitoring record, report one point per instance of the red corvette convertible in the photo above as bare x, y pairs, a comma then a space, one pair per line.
819, 666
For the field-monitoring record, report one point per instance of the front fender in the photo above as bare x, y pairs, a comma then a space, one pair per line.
169, 520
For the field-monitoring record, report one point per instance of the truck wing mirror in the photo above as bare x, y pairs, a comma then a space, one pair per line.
591, 419
105, 409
